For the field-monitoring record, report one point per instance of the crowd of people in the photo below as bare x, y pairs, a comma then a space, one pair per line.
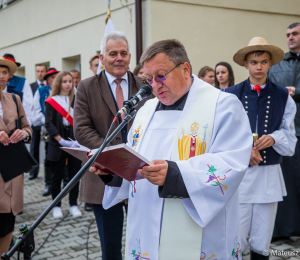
247, 139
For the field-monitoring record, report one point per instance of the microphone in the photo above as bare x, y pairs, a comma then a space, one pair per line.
144, 92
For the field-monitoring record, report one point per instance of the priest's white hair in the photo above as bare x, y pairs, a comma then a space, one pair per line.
115, 35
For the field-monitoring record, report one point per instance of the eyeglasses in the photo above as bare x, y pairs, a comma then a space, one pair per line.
163, 77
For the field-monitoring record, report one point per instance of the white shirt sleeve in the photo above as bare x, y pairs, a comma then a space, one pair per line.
28, 102
285, 138
38, 116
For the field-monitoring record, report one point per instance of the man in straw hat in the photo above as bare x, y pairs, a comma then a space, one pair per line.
185, 207
271, 113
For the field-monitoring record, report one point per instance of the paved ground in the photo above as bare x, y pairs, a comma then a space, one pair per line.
69, 239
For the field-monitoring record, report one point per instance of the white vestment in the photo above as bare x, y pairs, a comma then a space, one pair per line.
212, 207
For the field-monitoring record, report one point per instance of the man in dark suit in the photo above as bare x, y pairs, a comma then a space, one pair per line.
40, 74
36, 134
97, 100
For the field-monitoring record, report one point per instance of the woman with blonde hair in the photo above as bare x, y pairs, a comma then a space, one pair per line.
59, 124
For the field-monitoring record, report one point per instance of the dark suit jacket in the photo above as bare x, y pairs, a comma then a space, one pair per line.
94, 111
34, 86
54, 126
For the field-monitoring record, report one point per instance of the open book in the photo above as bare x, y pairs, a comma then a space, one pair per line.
118, 159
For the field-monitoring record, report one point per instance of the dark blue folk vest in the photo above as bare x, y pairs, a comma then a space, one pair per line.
267, 108
44, 92
16, 83
19, 93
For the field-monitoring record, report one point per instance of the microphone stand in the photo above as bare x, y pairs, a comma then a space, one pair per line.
25, 243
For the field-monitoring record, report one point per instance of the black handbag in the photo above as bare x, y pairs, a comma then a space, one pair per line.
15, 159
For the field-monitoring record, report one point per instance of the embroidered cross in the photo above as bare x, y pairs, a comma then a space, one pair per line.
216, 180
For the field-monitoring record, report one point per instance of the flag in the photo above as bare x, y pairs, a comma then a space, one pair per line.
109, 28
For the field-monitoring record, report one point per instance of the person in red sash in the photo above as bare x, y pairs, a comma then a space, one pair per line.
59, 124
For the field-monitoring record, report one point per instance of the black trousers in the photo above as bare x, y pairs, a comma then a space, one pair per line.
35, 148
110, 228
58, 169
48, 170
288, 212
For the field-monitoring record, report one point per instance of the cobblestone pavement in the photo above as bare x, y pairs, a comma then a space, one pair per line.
69, 238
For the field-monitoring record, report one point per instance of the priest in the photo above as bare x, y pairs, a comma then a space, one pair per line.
185, 207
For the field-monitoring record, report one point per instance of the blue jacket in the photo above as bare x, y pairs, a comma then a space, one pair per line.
16, 83
44, 92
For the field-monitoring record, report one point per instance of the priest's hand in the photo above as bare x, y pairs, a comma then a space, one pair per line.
255, 158
264, 142
4, 139
156, 174
97, 171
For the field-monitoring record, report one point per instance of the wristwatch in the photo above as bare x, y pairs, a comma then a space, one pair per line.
27, 138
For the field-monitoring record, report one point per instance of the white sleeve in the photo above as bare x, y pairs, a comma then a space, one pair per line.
285, 138
28, 102
38, 116
213, 178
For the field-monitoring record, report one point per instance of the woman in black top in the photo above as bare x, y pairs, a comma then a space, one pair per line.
224, 76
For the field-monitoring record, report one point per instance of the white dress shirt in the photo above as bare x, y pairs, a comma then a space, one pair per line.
113, 84
38, 116
39, 82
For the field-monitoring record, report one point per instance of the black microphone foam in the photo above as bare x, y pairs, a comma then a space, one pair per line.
144, 92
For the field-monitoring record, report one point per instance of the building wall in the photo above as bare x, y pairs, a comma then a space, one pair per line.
65, 34
213, 30
61, 32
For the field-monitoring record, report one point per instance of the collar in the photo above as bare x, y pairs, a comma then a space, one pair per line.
262, 86
264, 90
5, 90
111, 78
178, 105
44, 82
291, 56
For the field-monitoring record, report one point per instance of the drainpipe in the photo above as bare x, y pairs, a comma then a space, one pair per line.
138, 30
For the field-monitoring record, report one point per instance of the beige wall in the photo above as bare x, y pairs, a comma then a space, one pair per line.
55, 31
213, 30
60, 32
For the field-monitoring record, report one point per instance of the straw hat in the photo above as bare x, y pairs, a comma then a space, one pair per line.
259, 44
10, 64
